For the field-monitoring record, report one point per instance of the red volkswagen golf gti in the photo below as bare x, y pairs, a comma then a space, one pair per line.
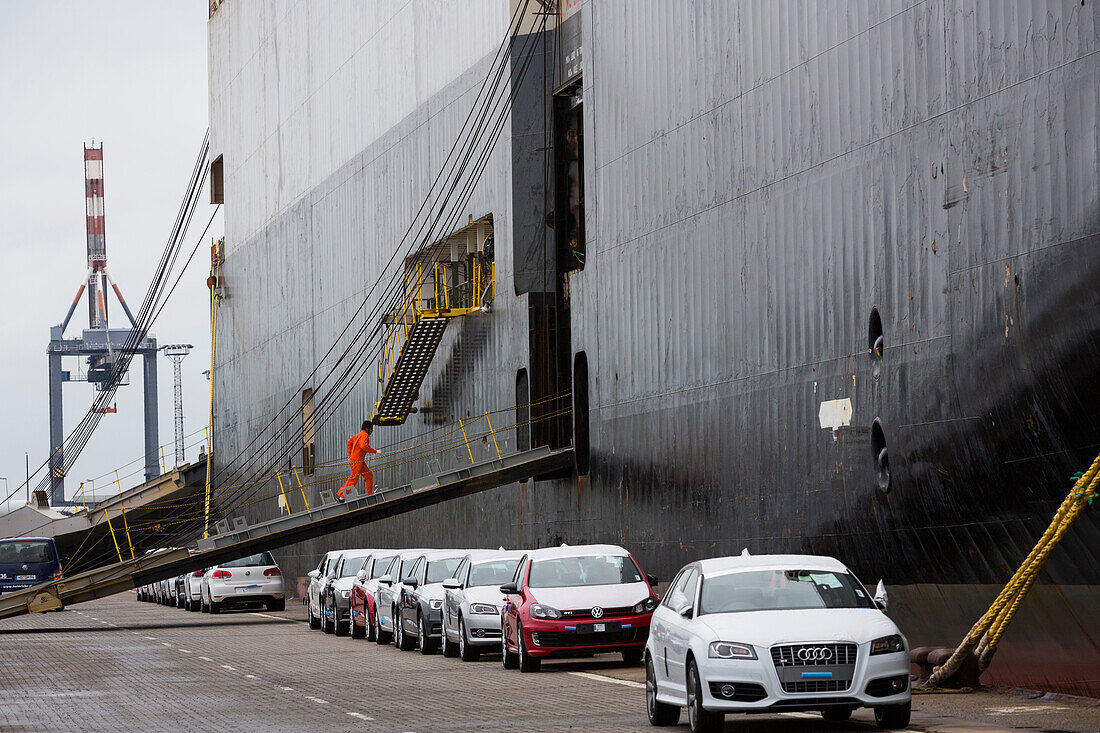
568, 601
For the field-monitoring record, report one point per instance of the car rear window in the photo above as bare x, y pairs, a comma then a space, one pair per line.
774, 590
26, 551
560, 572
494, 572
261, 558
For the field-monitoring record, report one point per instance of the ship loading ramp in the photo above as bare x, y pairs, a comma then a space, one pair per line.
152, 502
242, 540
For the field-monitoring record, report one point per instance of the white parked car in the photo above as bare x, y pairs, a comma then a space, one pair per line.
247, 582
775, 633
192, 590
317, 579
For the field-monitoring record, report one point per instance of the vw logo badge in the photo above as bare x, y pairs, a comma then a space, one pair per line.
248, 572
815, 654
25, 567
597, 612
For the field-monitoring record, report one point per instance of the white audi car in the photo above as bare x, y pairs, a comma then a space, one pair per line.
774, 633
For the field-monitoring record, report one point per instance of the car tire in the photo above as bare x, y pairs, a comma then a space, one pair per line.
660, 714
700, 719
203, 606
279, 605
357, 631
837, 714
427, 646
314, 622
632, 657
893, 717
381, 638
510, 660
215, 607
195, 606
341, 628
527, 663
187, 605
448, 647
467, 652
326, 626
372, 632
404, 643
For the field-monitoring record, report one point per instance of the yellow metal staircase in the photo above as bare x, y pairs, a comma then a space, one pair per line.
449, 279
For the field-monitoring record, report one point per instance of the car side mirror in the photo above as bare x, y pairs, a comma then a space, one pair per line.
452, 584
313, 574
385, 580
651, 578
509, 589
882, 599
411, 582
686, 611
361, 576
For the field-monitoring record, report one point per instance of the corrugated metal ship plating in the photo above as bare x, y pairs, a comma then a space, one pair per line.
819, 277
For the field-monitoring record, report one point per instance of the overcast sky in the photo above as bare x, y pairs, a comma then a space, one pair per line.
134, 77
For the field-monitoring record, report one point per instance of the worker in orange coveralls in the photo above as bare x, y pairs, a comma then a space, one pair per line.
358, 448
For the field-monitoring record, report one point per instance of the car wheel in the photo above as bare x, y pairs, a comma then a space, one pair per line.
357, 631
187, 605
380, 637
372, 632
427, 646
203, 606
837, 714
509, 659
314, 622
215, 607
893, 717
700, 719
659, 713
632, 657
449, 648
194, 606
279, 605
404, 643
327, 625
467, 652
527, 663
341, 627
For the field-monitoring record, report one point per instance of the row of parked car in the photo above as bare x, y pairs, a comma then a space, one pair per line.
737, 634
249, 582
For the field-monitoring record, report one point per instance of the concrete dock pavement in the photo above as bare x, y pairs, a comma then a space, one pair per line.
116, 664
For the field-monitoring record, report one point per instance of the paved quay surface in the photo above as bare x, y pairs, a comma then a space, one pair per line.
116, 664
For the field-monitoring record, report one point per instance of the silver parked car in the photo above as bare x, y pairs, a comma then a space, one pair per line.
389, 587
472, 600
246, 582
336, 592
317, 578
420, 600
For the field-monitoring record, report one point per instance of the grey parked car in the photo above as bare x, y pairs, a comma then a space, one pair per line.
336, 592
389, 586
420, 600
472, 600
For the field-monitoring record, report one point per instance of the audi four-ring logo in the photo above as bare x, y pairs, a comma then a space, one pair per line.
597, 612
815, 654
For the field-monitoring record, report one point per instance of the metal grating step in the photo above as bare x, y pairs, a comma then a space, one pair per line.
403, 386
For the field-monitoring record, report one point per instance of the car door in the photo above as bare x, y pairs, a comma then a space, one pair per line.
509, 614
663, 617
677, 633
452, 599
410, 595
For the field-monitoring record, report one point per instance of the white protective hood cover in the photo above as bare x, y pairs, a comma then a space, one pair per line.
582, 597
767, 628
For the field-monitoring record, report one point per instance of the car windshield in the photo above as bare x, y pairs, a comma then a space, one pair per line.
774, 590
260, 558
440, 570
351, 565
25, 551
494, 572
380, 565
561, 572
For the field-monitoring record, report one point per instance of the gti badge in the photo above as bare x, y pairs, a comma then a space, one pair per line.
597, 612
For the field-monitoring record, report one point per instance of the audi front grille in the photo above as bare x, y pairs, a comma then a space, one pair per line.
810, 668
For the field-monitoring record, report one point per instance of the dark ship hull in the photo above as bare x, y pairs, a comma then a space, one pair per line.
764, 195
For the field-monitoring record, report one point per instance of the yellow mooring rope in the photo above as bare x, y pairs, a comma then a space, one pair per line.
986, 634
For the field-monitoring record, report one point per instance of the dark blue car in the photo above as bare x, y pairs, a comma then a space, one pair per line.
27, 561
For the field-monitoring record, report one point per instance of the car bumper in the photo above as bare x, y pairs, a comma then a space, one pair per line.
482, 629
565, 638
271, 590
749, 686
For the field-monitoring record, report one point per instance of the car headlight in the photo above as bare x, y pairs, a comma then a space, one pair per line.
731, 650
647, 605
485, 608
435, 604
540, 611
888, 645
345, 594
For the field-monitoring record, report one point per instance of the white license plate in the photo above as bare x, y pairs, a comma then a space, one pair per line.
26, 577
596, 628
247, 588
